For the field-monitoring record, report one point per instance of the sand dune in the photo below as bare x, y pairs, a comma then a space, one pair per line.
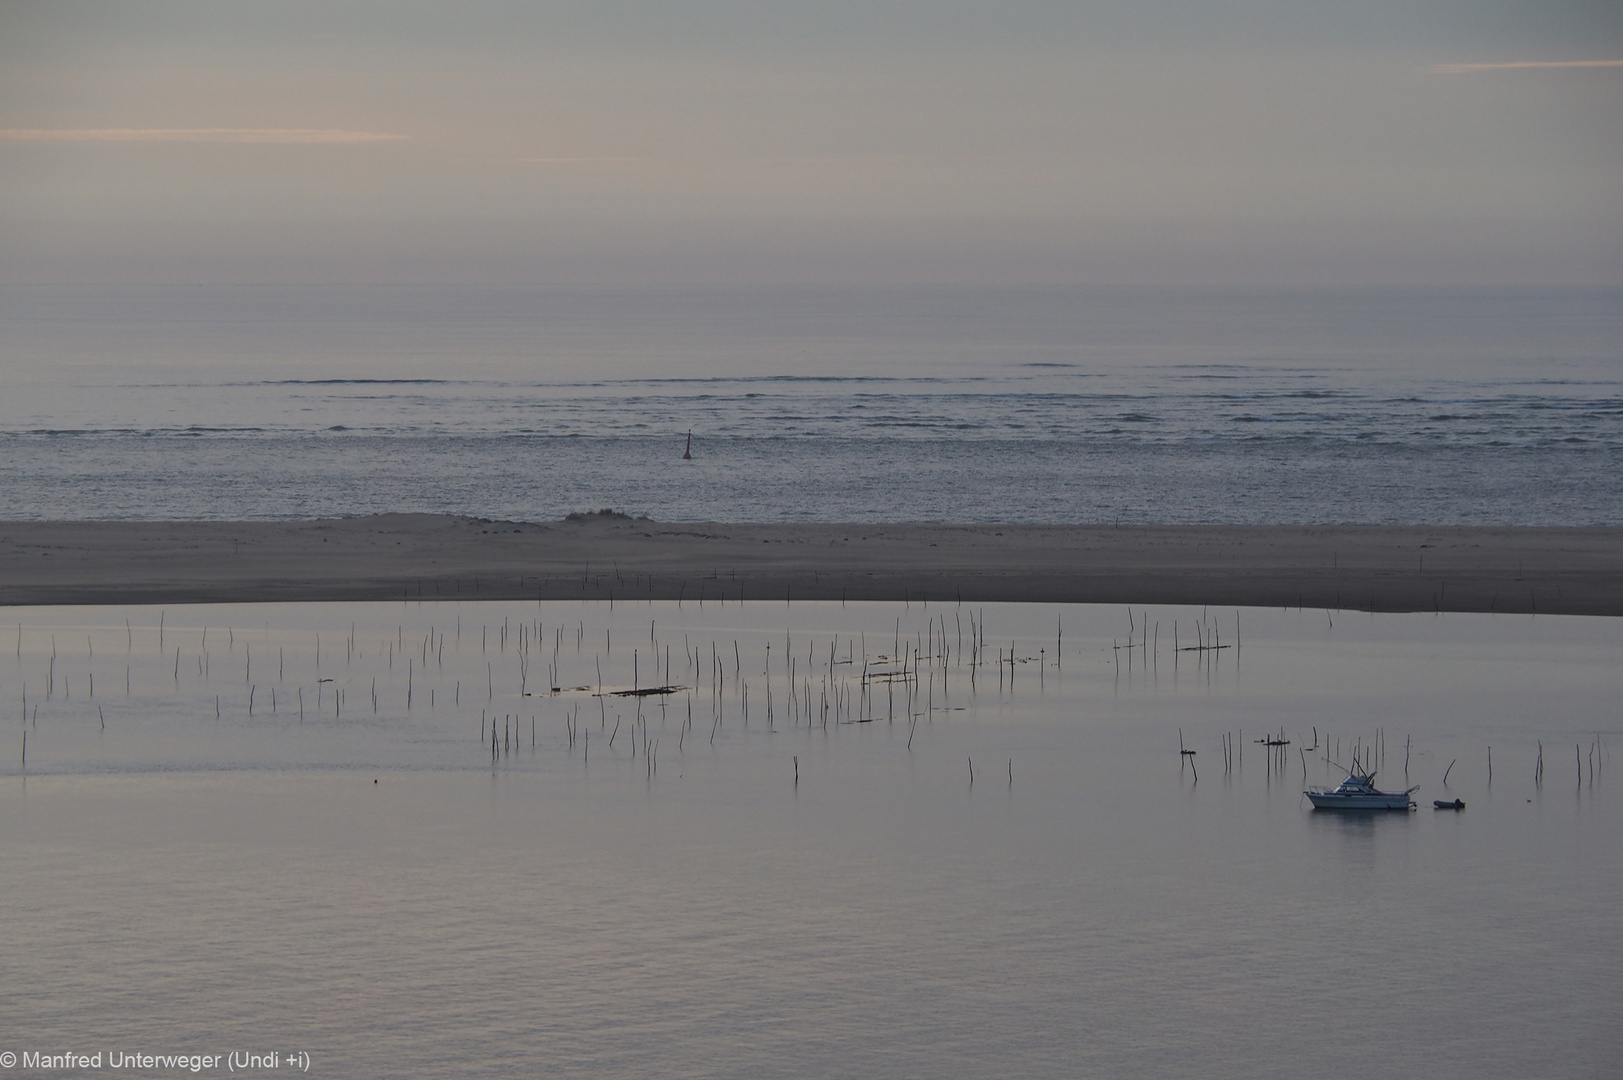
1554, 570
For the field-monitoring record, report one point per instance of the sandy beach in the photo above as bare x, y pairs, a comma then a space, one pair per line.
1556, 570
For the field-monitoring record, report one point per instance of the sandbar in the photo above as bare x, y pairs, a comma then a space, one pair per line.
1576, 571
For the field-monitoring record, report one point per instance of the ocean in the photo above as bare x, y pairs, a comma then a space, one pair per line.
427, 839
949, 404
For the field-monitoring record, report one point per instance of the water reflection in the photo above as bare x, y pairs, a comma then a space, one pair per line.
446, 862
1356, 831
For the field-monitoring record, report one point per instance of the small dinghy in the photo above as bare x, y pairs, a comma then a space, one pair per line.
1457, 804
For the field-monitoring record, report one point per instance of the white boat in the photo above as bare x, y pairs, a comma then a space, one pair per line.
1358, 792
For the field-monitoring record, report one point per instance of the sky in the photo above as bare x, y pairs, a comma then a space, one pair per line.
1424, 143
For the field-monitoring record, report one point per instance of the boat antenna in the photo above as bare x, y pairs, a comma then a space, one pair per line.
1356, 770
687, 453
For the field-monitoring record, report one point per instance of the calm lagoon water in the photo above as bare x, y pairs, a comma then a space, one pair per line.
374, 885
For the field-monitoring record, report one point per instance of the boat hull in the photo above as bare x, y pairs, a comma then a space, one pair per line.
1330, 800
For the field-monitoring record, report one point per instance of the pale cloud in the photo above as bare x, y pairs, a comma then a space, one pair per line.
1465, 69
196, 135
